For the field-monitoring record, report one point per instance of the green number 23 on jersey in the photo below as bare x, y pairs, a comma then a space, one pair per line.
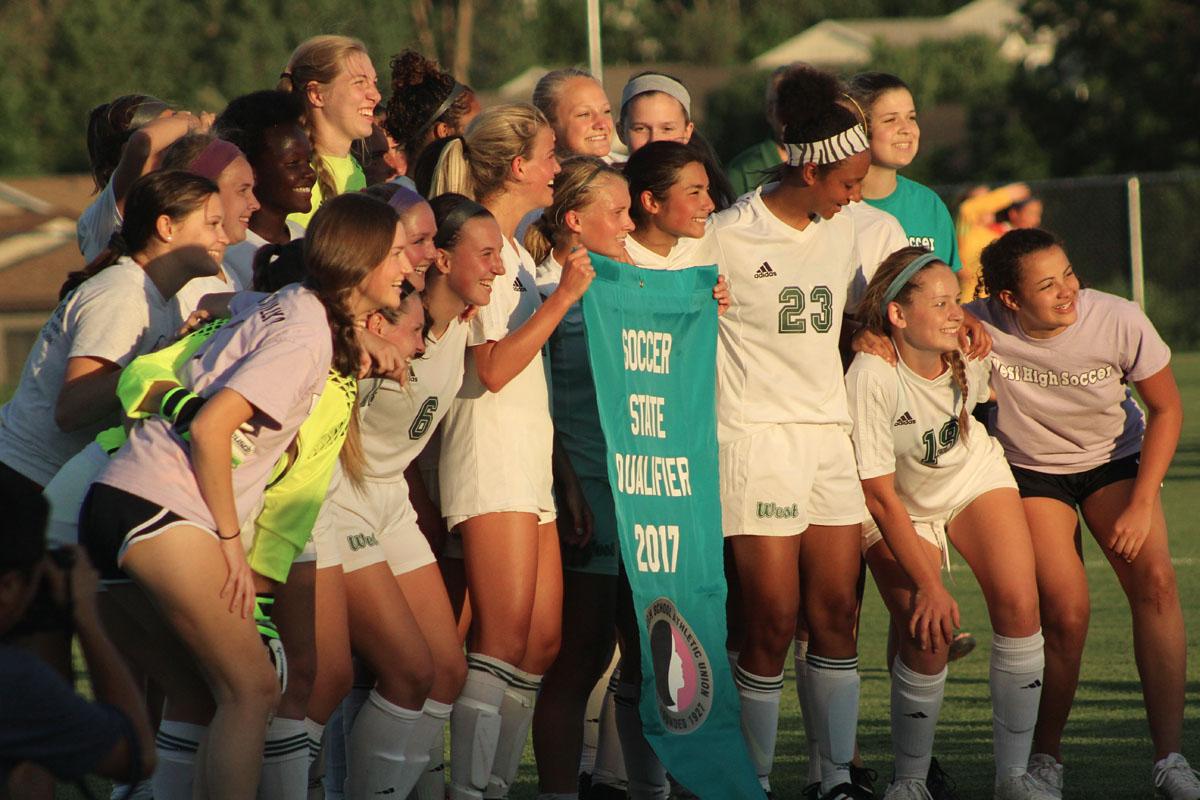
791, 311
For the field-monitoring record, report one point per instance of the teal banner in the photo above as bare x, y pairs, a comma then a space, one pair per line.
652, 343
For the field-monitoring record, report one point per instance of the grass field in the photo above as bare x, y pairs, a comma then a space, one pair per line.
1107, 748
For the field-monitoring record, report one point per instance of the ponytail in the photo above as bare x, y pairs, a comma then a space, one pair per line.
958, 372
452, 173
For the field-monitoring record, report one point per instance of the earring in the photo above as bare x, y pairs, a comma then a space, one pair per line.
168, 238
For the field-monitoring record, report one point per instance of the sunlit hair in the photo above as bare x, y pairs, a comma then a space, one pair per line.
872, 313
171, 193
320, 59
548, 93
420, 88
109, 127
347, 238
479, 164
574, 188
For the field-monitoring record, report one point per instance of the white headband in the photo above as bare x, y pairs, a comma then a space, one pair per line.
657, 83
849, 142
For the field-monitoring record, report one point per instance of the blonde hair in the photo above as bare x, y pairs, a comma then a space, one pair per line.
320, 59
872, 312
574, 188
479, 163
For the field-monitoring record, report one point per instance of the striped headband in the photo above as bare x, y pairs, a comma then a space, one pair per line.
900, 281
657, 83
849, 142
213, 159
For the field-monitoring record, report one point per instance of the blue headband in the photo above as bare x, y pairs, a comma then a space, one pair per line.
900, 281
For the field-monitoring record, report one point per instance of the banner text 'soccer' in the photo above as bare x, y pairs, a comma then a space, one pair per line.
652, 338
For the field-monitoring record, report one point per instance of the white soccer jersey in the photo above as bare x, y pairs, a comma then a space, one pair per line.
908, 425
778, 358
114, 316
878, 234
686, 252
489, 438
397, 421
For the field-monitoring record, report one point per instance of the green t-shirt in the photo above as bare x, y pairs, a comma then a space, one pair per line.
924, 218
752, 167
347, 177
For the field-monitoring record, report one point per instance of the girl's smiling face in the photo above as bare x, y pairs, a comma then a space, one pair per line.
895, 134
1046, 293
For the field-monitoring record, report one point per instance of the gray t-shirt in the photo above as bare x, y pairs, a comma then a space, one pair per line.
276, 355
1064, 404
115, 316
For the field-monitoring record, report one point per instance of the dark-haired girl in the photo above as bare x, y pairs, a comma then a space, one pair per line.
891, 123
114, 310
426, 104
168, 509
930, 473
1063, 358
790, 494
267, 127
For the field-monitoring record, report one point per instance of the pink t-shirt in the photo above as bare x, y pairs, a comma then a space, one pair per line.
1064, 404
276, 355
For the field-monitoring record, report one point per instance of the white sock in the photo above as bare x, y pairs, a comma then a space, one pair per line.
375, 755
335, 757
609, 767
1015, 677
558, 796
800, 660
916, 703
350, 706
516, 717
419, 754
142, 790
314, 731
175, 745
760, 697
732, 657
832, 686
647, 777
475, 726
285, 760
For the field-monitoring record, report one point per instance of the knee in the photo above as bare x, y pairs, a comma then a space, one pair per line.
541, 649
1015, 611
450, 675
1155, 586
255, 687
834, 615
771, 627
1065, 625
416, 671
302, 674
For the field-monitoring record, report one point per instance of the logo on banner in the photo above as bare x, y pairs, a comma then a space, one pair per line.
682, 673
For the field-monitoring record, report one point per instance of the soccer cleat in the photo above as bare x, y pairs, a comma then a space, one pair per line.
848, 791
961, 646
1022, 787
940, 785
270, 637
909, 789
863, 778
812, 791
1175, 779
1047, 770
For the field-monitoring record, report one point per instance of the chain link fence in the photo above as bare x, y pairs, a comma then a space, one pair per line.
1101, 220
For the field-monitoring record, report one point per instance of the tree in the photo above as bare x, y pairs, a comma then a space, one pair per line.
1122, 92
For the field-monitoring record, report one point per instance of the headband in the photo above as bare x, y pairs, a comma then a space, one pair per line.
213, 159
849, 142
455, 93
403, 199
657, 83
900, 281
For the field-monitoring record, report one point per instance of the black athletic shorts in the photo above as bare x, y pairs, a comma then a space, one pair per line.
1075, 487
111, 519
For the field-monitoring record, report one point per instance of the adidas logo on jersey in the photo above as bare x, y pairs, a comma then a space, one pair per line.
765, 271
517, 287
905, 419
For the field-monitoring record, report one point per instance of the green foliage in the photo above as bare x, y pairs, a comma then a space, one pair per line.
1123, 90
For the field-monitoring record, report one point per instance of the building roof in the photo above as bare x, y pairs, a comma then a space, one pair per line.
37, 238
847, 42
